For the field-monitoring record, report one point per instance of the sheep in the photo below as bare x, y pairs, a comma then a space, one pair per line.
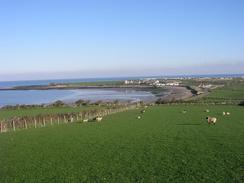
211, 120
138, 117
207, 110
184, 111
228, 113
71, 119
224, 113
143, 111
85, 120
98, 119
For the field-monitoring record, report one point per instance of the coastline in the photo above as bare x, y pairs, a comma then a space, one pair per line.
68, 87
177, 93
166, 93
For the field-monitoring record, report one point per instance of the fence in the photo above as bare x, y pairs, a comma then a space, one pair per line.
25, 122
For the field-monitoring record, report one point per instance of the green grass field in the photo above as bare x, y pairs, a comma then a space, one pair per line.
164, 146
229, 93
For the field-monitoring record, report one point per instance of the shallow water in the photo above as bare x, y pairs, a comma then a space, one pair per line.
14, 97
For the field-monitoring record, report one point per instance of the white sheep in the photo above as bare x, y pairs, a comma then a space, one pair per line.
211, 120
138, 117
99, 118
143, 111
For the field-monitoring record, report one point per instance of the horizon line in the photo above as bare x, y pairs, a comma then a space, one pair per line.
131, 77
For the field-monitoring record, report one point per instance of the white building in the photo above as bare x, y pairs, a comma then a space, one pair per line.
173, 84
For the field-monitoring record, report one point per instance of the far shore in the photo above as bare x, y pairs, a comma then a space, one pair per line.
177, 93
166, 93
68, 87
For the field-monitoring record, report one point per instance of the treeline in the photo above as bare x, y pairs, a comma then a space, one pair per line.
59, 103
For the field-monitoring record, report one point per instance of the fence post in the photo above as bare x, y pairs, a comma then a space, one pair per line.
58, 120
13, 125
51, 121
35, 122
44, 122
25, 124
1, 126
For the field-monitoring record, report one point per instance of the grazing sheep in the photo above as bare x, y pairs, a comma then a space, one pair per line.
143, 111
85, 120
207, 110
138, 117
224, 113
71, 120
98, 119
228, 113
211, 120
184, 111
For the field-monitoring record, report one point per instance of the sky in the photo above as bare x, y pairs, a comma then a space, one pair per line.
49, 39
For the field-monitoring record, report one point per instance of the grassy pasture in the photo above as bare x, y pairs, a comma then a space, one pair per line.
235, 92
164, 146
232, 94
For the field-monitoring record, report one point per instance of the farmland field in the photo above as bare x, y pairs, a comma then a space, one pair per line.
235, 92
165, 145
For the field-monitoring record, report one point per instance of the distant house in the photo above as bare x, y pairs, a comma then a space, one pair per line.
160, 84
205, 86
173, 84
156, 82
127, 82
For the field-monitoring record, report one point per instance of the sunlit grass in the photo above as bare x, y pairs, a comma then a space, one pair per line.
164, 146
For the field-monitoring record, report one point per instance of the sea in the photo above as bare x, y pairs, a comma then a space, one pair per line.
28, 97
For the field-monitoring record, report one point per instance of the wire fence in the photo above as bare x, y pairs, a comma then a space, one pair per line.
26, 122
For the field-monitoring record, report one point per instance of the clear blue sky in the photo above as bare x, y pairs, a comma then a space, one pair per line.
75, 38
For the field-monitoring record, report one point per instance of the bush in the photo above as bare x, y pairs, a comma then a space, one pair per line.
81, 103
58, 103
241, 103
99, 103
14, 107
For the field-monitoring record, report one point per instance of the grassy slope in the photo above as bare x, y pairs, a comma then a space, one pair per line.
233, 90
7, 113
165, 145
229, 92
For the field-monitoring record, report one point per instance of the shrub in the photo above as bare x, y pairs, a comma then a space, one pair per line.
241, 103
81, 103
58, 103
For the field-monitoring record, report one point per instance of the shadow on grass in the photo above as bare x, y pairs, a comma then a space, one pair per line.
189, 124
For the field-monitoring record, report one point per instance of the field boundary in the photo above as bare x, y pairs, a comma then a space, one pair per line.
38, 121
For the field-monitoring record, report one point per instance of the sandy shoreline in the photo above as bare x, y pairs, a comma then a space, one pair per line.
177, 93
